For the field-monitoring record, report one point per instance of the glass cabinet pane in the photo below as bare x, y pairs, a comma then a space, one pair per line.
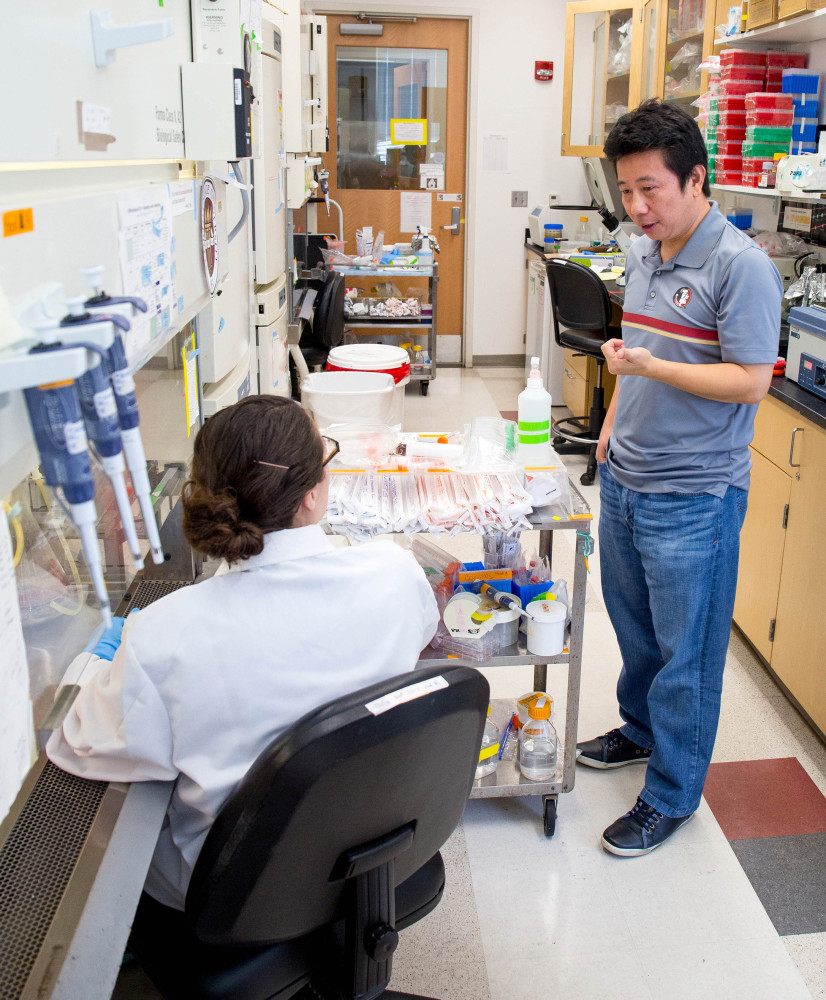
392, 116
649, 51
617, 69
685, 21
601, 75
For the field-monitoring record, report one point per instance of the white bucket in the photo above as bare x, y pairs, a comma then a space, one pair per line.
353, 398
546, 627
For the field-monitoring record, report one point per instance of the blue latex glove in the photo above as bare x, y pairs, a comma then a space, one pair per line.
110, 640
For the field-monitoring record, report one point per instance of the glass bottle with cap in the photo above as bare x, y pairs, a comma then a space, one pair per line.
553, 234
489, 751
538, 742
582, 234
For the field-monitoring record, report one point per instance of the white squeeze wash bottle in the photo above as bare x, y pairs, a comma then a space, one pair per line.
534, 417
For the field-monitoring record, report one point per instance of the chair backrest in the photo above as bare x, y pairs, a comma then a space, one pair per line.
580, 307
342, 776
328, 320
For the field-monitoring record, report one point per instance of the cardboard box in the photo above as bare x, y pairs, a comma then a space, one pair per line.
761, 12
791, 8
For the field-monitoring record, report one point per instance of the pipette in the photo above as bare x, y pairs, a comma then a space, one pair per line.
117, 368
100, 414
54, 412
502, 599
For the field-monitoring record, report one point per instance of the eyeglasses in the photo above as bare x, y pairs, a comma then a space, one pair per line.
330, 449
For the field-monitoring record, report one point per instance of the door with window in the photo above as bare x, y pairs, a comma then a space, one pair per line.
398, 141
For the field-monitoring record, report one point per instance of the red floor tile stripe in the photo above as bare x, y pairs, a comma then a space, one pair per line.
764, 798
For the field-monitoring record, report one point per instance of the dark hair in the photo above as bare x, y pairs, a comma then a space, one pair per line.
231, 500
665, 126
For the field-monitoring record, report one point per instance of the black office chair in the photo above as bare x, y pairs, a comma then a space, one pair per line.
327, 327
581, 311
327, 848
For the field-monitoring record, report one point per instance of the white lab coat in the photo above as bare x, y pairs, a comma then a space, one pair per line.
206, 677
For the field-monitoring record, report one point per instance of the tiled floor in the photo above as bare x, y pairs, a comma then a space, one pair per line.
734, 907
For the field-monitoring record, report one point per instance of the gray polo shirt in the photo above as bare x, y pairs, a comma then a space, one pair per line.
717, 300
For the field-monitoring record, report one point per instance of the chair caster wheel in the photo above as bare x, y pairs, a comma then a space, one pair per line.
587, 478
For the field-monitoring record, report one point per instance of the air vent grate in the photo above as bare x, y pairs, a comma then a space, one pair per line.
143, 593
36, 864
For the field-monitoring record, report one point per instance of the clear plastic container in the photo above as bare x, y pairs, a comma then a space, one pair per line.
538, 744
489, 750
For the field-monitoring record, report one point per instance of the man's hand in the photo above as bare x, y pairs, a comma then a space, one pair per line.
622, 360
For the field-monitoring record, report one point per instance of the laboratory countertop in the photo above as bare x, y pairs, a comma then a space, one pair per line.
800, 400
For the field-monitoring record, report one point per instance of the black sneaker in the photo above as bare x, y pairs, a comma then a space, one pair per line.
640, 831
611, 750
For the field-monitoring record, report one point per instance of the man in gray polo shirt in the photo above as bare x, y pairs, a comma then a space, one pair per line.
700, 329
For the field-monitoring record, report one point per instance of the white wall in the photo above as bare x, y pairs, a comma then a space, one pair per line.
505, 100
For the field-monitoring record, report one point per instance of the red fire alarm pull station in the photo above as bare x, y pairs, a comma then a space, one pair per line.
543, 71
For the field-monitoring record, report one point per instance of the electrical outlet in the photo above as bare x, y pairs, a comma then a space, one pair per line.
519, 199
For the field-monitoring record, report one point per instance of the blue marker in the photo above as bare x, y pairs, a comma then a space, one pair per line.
57, 423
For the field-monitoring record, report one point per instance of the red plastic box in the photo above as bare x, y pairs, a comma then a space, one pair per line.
728, 177
731, 134
765, 116
786, 60
757, 74
769, 102
731, 102
730, 149
742, 57
728, 163
737, 87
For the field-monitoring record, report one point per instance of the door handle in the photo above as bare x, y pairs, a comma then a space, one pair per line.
455, 226
794, 465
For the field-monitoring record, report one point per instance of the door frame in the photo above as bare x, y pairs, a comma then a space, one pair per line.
472, 15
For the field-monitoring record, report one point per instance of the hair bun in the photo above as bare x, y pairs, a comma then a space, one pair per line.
213, 525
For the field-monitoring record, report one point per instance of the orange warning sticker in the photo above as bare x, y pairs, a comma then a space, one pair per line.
21, 220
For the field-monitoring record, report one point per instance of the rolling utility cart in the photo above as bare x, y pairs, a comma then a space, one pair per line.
507, 779
404, 324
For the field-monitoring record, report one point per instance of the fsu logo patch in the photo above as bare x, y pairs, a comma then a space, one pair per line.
682, 296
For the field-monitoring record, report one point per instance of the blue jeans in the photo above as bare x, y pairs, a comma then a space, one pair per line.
669, 572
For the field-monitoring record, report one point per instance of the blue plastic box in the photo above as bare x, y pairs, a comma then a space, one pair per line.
800, 81
804, 108
804, 130
528, 591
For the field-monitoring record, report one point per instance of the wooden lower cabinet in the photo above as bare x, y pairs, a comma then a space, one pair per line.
762, 542
799, 655
579, 376
781, 578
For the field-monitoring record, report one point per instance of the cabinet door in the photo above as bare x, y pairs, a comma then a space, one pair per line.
800, 636
684, 44
603, 49
761, 553
653, 40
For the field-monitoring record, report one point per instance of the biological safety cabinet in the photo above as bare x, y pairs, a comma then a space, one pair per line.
618, 54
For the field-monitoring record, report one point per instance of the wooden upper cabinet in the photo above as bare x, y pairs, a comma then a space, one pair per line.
603, 51
618, 54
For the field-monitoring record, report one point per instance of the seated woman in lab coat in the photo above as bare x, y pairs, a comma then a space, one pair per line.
205, 678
